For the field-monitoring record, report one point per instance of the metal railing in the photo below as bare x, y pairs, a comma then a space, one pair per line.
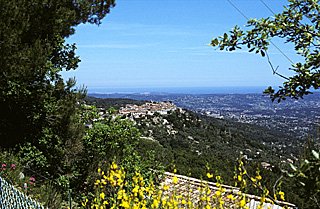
12, 198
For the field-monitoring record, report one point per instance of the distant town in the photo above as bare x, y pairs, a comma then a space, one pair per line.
298, 117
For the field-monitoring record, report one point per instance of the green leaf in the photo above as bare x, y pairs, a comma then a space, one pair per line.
303, 184
294, 168
214, 42
290, 175
225, 36
315, 154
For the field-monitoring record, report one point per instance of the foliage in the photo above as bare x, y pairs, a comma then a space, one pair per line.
9, 167
105, 141
190, 141
306, 176
298, 24
48, 195
39, 112
44, 192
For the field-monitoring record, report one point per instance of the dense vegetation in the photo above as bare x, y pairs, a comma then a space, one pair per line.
39, 110
194, 140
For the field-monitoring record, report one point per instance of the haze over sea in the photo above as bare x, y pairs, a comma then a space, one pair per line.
179, 90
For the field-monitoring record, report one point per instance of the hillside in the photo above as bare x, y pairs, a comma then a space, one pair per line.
191, 141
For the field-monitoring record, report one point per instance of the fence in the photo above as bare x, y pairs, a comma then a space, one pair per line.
190, 186
12, 198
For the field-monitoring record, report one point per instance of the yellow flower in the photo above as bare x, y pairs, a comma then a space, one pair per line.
120, 194
114, 165
155, 203
125, 204
230, 196
135, 189
179, 196
209, 175
258, 177
218, 193
242, 202
135, 206
84, 203
165, 187
97, 182
102, 195
281, 194
175, 180
221, 202
164, 202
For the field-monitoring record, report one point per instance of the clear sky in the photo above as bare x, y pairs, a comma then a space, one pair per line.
164, 43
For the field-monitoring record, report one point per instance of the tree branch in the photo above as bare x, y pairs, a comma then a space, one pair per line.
275, 184
274, 70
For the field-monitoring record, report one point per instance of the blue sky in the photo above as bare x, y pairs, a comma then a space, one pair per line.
164, 43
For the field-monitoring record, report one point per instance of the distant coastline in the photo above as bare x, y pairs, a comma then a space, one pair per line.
179, 90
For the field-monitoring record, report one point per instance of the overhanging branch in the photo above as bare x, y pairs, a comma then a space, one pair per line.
274, 70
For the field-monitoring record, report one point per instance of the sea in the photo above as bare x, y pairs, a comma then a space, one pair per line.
178, 90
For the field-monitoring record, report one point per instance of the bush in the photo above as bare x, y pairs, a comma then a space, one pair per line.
116, 189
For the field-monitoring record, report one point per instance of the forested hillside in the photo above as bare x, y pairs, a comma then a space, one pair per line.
190, 141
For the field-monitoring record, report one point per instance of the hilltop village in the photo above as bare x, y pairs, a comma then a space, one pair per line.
134, 111
149, 108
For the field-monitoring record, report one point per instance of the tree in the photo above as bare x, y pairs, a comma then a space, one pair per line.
38, 109
299, 24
